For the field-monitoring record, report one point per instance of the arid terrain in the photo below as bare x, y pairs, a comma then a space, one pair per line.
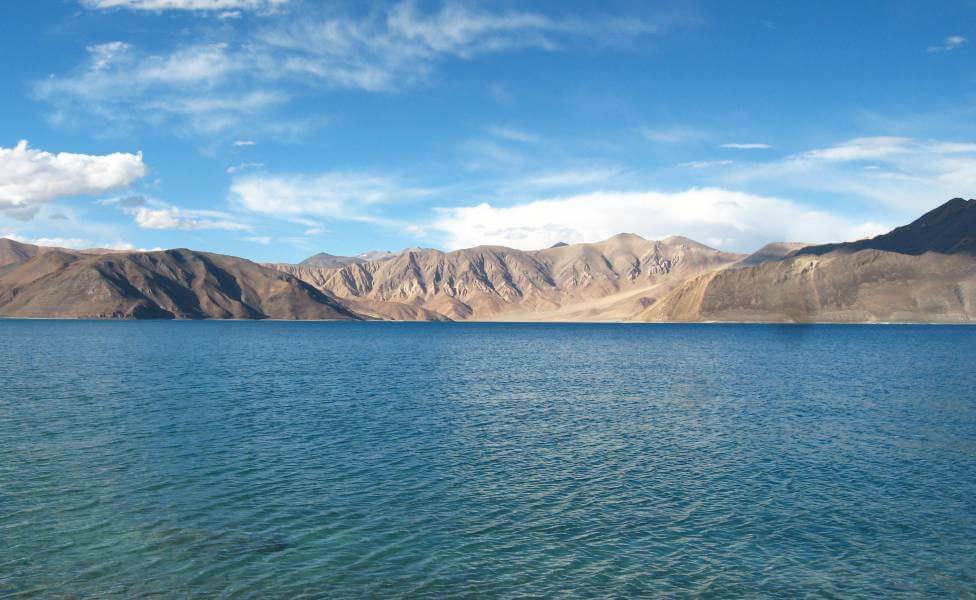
924, 271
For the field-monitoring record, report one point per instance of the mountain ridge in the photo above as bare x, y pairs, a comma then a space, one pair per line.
923, 271
167, 284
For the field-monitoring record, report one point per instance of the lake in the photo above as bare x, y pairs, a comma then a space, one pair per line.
276, 459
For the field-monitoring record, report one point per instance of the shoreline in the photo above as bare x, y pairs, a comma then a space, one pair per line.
488, 322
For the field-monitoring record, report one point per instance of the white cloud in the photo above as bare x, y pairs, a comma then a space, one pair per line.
416, 231
242, 143
867, 148
244, 167
223, 6
704, 164
746, 146
570, 178
181, 218
151, 213
72, 243
736, 220
31, 177
335, 194
56, 242
259, 239
677, 134
194, 86
951, 43
214, 88
512, 134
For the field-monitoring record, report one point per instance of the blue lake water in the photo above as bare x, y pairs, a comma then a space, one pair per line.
265, 460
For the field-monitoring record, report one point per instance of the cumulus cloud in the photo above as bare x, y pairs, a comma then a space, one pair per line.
30, 177
334, 194
722, 218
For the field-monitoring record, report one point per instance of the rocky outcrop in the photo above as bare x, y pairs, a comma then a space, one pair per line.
622, 274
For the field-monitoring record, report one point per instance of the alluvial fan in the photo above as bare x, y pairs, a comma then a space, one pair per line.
271, 459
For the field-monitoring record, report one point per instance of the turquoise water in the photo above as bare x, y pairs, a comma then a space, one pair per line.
265, 460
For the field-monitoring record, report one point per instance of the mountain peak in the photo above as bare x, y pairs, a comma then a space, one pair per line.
947, 229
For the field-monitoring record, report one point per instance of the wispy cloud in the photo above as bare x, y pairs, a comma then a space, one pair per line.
675, 134
341, 195
182, 218
747, 146
222, 7
244, 167
512, 134
904, 173
950, 43
568, 178
152, 213
219, 88
704, 164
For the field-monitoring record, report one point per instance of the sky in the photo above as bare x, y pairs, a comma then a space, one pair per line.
276, 129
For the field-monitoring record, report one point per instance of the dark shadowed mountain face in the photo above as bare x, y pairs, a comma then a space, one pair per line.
773, 251
172, 284
949, 229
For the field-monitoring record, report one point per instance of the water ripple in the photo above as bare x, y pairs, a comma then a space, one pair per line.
309, 460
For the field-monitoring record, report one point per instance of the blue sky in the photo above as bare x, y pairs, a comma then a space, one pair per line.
274, 129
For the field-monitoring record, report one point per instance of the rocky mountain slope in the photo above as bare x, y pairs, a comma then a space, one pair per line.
171, 284
924, 271
603, 281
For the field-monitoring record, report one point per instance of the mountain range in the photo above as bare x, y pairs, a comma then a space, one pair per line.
924, 271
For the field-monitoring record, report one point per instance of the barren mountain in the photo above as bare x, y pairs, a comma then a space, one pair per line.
924, 271
170, 284
608, 280
13, 252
